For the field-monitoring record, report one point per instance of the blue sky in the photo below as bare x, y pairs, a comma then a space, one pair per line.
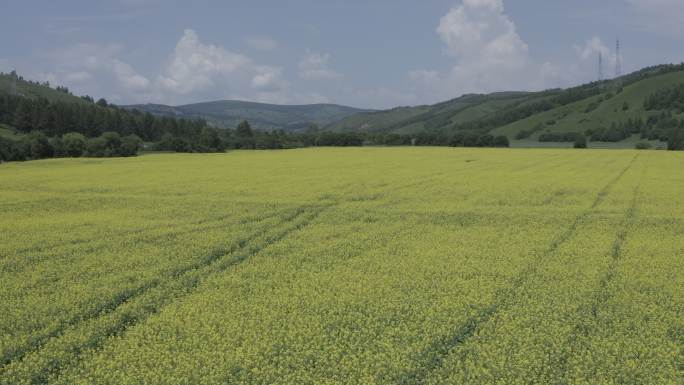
373, 53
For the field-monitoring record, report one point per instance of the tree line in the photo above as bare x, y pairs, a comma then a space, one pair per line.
85, 127
663, 127
36, 145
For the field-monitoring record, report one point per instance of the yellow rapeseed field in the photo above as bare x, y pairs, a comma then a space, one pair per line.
344, 266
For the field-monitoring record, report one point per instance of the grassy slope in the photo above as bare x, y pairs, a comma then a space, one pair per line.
32, 90
406, 120
8, 132
573, 118
375, 121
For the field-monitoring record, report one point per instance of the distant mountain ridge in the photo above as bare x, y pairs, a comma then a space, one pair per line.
229, 113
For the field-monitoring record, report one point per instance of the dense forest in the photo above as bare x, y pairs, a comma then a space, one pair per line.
85, 127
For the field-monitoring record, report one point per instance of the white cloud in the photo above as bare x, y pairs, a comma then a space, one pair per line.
211, 71
96, 70
491, 56
314, 66
194, 71
261, 43
592, 48
489, 53
485, 43
268, 78
195, 67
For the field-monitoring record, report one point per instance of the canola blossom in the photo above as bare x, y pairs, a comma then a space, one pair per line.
344, 266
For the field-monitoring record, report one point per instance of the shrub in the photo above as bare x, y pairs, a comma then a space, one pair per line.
74, 144
39, 145
501, 141
580, 141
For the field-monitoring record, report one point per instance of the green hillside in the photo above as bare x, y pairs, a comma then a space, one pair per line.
10, 84
579, 116
229, 113
8, 132
378, 120
609, 114
408, 120
611, 111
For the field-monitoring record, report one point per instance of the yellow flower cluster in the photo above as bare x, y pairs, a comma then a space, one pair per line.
344, 266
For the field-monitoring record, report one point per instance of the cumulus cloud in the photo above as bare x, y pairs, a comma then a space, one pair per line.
479, 31
194, 71
314, 66
489, 53
212, 71
80, 64
483, 39
490, 56
194, 66
592, 48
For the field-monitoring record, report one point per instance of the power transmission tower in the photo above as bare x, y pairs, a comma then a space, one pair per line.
13, 89
600, 67
618, 60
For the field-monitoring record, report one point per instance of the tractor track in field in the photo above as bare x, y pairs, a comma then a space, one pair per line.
603, 293
433, 357
122, 313
46, 363
171, 231
101, 245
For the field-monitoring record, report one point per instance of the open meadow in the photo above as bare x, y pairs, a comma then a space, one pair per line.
344, 266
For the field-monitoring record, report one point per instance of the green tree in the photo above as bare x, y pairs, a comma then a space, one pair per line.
210, 140
130, 145
74, 144
39, 145
675, 139
580, 141
23, 115
112, 143
643, 146
245, 135
96, 147
501, 141
244, 130
6, 150
57, 147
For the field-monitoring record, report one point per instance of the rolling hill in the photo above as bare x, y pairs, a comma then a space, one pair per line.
600, 110
22, 87
524, 116
612, 111
228, 113
409, 120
